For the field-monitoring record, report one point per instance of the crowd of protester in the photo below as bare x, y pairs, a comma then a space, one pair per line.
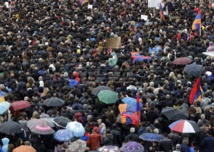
45, 43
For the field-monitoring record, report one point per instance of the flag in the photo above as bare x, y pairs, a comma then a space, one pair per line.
138, 105
1, 96
196, 92
82, 2
161, 13
197, 22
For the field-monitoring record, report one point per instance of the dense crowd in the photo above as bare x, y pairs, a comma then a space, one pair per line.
57, 48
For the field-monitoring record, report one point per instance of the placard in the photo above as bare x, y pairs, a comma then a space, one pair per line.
90, 6
154, 3
114, 42
144, 17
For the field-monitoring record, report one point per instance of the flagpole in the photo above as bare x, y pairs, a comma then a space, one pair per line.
200, 31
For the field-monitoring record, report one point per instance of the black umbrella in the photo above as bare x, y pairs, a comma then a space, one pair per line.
193, 70
54, 102
61, 121
174, 113
10, 127
98, 89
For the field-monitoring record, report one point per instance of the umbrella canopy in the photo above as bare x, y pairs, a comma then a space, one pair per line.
78, 145
42, 129
54, 102
109, 149
98, 89
63, 135
184, 126
182, 61
76, 128
132, 147
33, 122
10, 127
151, 137
24, 148
131, 102
209, 53
107, 96
193, 70
61, 121
174, 113
19, 105
49, 121
4, 106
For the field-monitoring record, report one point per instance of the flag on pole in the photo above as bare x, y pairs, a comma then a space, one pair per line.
196, 92
82, 2
161, 13
2, 99
197, 22
138, 105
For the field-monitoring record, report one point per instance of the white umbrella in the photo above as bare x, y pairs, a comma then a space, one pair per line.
209, 53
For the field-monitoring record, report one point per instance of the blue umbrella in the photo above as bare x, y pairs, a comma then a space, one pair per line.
151, 137
4, 106
63, 135
131, 102
76, 128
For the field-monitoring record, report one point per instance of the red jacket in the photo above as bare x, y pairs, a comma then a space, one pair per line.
94, 139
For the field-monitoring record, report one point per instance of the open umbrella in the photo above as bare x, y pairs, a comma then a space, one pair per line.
42, 129
174, 113
61, 121
193, 70
54, 102
132, 147
98, 89
33, 122
24, 148
4, 106
77, 145
109, 149
49, 121
10, 127
184, 126
63, 135
182, 61
107, 96
151, 137
76, 128
19, 105
209, 53
131, 101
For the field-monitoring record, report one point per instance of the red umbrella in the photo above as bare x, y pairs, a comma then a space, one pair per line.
182, 61
19, 105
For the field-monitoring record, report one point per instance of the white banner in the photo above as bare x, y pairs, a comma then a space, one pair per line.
154, 3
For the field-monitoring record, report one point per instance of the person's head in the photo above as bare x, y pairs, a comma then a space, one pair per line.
99, 121
132, 130
178, 147
185, 140
35, 115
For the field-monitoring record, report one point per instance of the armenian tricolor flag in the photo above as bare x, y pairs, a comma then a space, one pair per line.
161, 13
197, 22
82, 2
2, 99
196, 92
